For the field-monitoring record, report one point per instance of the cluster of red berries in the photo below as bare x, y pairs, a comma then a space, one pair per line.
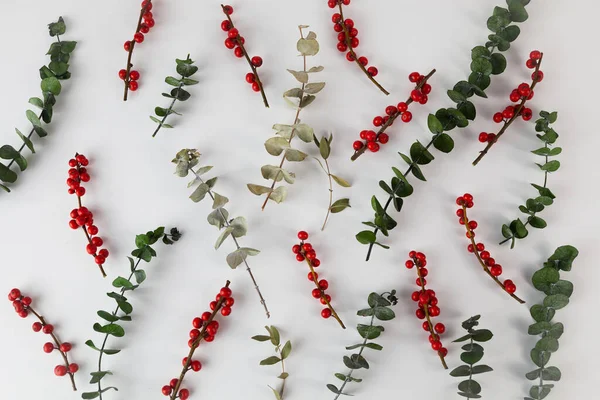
304, 251
204, 328
82, 216
371, 138
144, 26
489, 263
532, 63
427, 302
236, 42
348, 37
22, 305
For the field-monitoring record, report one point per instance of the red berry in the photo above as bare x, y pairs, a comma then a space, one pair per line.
48, 347
436, 345
184, 394
420, 313
311, 277
60, 370
316, 293
443, 352
491, 137
296, 249
238, 52
414, 77
342, 46
197, 323
374, 147
406, 116
378, 121
133, 86
194, 333
233, 33
73, 368
510, 286
147, 15
302, 235
440, 328
335, 18
103, 253
363, 61
468, 197
473, 224
412, 254
212, 305
350, 56
416, 95
196, 365
37, 326
426, 88
531, 63
228, 9
257, 61
92, 230
537, 76
423, 99
147, 4
90, 248
225, 311
425, 326
166, 390
144, 28
480, 247
225, 292
138, 37
299, 257
127, 45
383, 138
434, 311
402, 106
324, 299
409, 264
372, 71
256, 87
134, 75
225, 25
354, 42
99, 260
415, 296
323, 284
97, 241
357, 145
205, 316
174, 382
535, 55
315, 262
229, 43
496, 270
48, 329
391, 110
349, 23
122, 74
498, 117
483, 137
250, 78
150, 22
326, 313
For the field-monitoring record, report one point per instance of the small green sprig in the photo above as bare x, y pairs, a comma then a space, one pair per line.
186, 160
186, 69
282, 354
472, 354
51, 75
517, 229
324, 146
379, 307
123, 310
299, 98
557, 291
486, 61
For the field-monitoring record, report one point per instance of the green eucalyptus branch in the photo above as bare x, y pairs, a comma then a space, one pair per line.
557, 291
282, 354
123, 310
379, 307
324, 146
186, 69
51, 75
486, 61
517, 228
186, 160
299, 98
473, 353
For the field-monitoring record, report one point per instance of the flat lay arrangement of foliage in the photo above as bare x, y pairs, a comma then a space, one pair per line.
51, 75
282, 352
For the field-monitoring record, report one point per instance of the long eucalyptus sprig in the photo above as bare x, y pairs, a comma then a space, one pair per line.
186, 69
486, 61
299, 98
51, 75
379, 307
186, 160
557, 291
324, 146
472, 354
282, 354
123, 310
517, 228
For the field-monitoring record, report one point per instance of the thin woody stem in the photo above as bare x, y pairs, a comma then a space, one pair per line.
168, 112
252, 66
392, 118
508, 123
130, 52
481, 262
354, 56
330, 195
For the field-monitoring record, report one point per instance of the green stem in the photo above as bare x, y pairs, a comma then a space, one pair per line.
328, 172
169, 110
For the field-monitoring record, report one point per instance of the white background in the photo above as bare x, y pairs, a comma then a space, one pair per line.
133, 189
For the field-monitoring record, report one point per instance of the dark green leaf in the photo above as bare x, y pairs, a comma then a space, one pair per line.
481, 66
561, 287
481, 335
377, 300
551, 374
140, 276
518, 228
110, 329
125, 307
186, 70
420, 154
444, 143
517, 11
456, 97
563, 257
547, 343
261, 338
471, 357
540, 358
537, 222
463, 370
98, 375
270, 360
107, 316
544, 278
7, 175
540, 313
8, 152
498, 63
51, 85
384, 313
349, 363
122, 282
360, 361
369, 331
180, 94
434, 124
556, 301
480, 369
468, 109
275, 336
333, 388
287, 349
469, 386
373, 346
366, 237
57, 28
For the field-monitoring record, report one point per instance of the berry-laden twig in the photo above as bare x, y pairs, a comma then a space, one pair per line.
145, 23
235, 228
520, 95
517, 229
186, 69
324, 146
370, 138
282, 354
558, 292
305, 252
478, 249
123, 310
82, 217
236, 43
205, 329
485, 62
428, 305
51, 75
299, 98
348, 41
379, 307
22, 305
472, 354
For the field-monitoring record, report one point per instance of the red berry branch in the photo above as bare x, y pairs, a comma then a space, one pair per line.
205, 328
145, 23
22, 305
428, 307
81, 217
370, 138
348, 41
483, 256
305, 251
521, 95
236, 42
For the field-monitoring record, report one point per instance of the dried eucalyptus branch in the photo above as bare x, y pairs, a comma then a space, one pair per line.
282, 354
235, 228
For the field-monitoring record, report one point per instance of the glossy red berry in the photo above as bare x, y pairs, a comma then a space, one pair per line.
362, 60
196, 365
48, 329
37, 326
302, 235
414, 77
228, 9
48, 347
373, 71
127, 45
326, 313
257, 61
238, 52
402, 106
391, 110
420, 313
233, 33
122, 74
73, 368
426, 88
383, 138
323, 284
378, 121
184, 394
315, 262
133, 86
535, 55
225, 292
166, 390
406, 116
357, 145
496, 270
225, 311
498, 117
134, 75
537, 76
60, 370
483, 137
440, 328
256, 87
373, 146
316, 293
138, 37
299, 257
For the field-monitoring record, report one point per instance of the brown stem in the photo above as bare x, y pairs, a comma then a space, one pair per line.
87, 235
354, 56
323, 297
252, 66
392, 118
481, 262
281, 390
508, 123
57, 343
195, 345
130, 52
431, 329
330, 195
296, 120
